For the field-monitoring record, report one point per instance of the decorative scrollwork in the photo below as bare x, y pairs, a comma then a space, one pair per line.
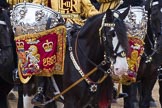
137, 22
29, 18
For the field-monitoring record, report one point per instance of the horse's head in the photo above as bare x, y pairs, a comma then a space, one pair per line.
155, 12
106, 33
114, 27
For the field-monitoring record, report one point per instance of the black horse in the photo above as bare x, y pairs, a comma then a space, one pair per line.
7, 57
148, 72
87, 49
150, 61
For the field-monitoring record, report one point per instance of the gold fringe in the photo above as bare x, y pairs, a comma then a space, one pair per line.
136, 38
57, 30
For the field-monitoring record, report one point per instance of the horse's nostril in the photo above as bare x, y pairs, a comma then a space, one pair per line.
116, 69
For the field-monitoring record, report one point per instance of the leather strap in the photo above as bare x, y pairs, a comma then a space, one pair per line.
49, 4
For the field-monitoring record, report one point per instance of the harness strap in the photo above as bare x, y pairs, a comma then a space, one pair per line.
71, 86
89, 81
2, 22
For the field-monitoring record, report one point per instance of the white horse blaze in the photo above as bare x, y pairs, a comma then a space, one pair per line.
27, 101
120, 67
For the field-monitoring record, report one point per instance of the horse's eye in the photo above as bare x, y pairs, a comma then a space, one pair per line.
112, 33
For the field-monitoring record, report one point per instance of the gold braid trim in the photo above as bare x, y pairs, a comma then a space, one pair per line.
136, 39
56, 30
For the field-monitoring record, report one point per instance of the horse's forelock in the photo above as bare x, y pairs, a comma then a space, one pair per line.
120, 29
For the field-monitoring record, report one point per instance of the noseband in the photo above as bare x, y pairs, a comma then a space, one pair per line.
104, 39
2, 22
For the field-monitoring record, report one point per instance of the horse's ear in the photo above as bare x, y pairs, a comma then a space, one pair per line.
124, 14
147, 4
109, 15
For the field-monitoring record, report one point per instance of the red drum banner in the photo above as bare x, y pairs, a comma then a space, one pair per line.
42, 53
136, 50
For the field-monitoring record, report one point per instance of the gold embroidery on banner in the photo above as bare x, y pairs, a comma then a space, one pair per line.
20, 45
49, 60
60, 54
132, 61
48, 46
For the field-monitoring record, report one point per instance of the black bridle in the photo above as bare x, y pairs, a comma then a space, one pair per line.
154, 43
104, 36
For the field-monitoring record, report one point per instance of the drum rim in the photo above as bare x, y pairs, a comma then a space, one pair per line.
32, 5
132, 7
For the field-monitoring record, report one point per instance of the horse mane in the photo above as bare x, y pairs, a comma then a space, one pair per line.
4, 4
121, 29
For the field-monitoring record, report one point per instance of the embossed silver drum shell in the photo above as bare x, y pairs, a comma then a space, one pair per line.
28, 18
136, 21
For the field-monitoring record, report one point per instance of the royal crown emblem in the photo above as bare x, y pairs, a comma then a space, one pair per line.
20, 45
48, 46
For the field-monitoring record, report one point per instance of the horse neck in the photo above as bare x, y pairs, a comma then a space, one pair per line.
89, 34
89, 47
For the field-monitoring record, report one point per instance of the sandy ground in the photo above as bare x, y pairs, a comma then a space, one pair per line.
119, 104
155, 94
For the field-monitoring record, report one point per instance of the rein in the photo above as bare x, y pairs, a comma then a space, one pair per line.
93, 86
70, 87
78, 81
104, 62
153, 47
2, 22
